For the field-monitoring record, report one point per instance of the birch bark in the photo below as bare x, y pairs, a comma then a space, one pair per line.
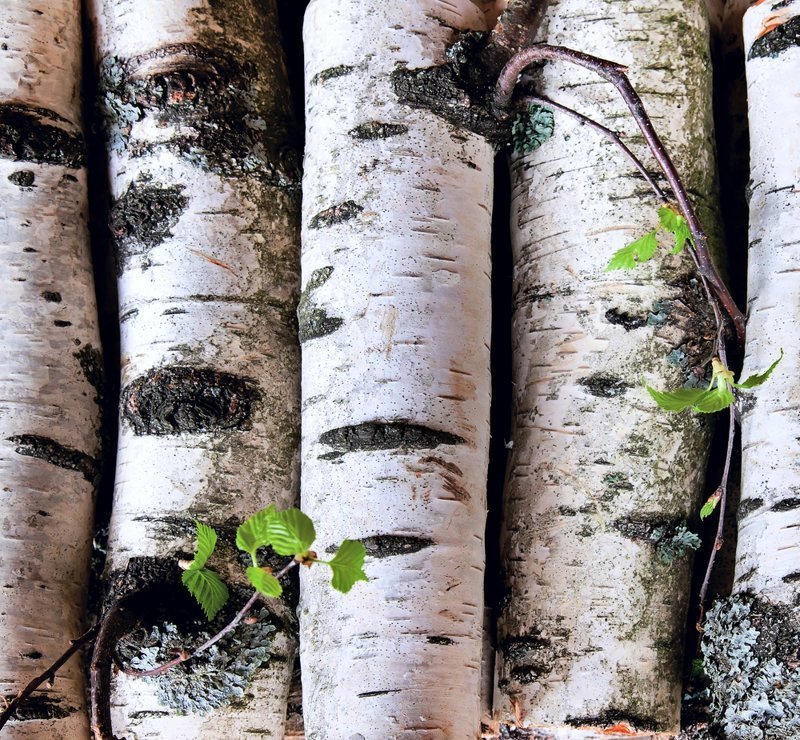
395, 321
601, 482
205, 220
751, 641
50, 364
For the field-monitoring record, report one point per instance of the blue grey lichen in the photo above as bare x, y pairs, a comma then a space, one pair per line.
218, 677
751, 649
672, 543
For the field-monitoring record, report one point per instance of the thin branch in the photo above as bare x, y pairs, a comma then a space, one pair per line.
48, 676
616, 75
607, 132
185, 655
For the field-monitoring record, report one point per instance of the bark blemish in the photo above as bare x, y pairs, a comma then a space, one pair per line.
51, 296
440, 640
613, 716
776, 40
313, 321
377, 130
604, 385
389, 545
748, 506
26, 136
625, 320
172, 400
44, 448
371, 694
787, 504
144, 217
91, 361
395, 435
335, 214
331, 73
529, 657
23, 178
40, 706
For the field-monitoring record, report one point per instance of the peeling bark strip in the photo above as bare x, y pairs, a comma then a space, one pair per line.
776, 39
25, 136
43, 448
172, 400
397, 435
214, 96
143, 217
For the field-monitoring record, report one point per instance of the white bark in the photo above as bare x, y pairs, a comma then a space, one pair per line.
395, 321
591, 635
206, 214
50, 361
768, 559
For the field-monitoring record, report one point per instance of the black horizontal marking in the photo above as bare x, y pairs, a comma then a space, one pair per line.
44, 448
395, 435
26, 137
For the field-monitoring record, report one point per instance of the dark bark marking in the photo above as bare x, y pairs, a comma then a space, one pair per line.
613, 716
377, 130
40, 706
215, 103
44, 448
604, 385
528, 657
787, 504
331, 73
748, 506
394, 435
61, 323
23, 178
370, 694
776, 40
176, 399
792, 577
650, 528
143, 217
91, 361
389, 545
25, 136
313, 321
440, 640
335, 214
33, 655
173, 311
51, 296
626, 320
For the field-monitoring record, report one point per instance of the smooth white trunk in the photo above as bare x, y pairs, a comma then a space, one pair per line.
205, 219
50, 365
601, 480
395, 319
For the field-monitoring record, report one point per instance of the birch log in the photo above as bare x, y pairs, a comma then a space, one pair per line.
395, 322
601, 482
205, 220
752, 640
50, 364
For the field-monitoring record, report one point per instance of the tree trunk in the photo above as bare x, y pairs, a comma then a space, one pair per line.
752, 640
395, 321
50, 368
205, 214
601, 482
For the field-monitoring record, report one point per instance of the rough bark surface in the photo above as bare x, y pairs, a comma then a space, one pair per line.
395, 319
50, 364
751, 639
205, 221
602, 483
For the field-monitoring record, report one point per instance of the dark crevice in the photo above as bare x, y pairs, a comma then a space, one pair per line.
55, 453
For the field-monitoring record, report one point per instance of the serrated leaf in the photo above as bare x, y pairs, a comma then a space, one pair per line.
758, 379
291, 532
348, 565
207, 588
206, 542
699, 399
254, 532
264, 582
532, 128
634, 253
709, 506
677, 225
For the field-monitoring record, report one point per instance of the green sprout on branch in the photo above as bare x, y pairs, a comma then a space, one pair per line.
645, 247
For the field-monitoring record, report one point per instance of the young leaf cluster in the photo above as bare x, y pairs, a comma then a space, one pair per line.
290, 533
532, 128
643, 248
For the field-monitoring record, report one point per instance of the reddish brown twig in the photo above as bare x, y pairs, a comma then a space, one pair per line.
48, 676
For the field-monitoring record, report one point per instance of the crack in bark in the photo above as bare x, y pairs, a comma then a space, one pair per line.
44, 448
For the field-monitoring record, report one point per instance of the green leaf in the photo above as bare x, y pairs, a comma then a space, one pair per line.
531, 129
291, 532
207, 588
264, 582
755, 380
704, 401
206, 542
677, 225
710, 505
638, 251
348, 565
254, 532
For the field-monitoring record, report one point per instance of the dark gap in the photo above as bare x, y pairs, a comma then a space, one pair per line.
105, 284
290, 18
502, 267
